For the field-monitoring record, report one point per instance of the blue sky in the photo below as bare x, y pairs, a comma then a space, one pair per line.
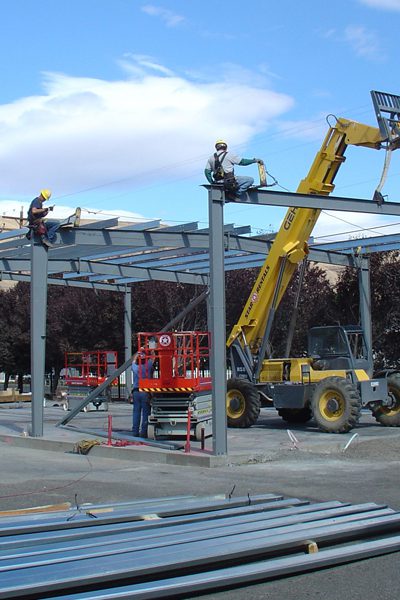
115, 104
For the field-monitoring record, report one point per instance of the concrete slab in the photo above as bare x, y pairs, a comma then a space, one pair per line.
264, 442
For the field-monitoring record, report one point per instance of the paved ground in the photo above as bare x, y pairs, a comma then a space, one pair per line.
262, 459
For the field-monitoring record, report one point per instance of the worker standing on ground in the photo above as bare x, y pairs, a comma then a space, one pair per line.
141, 367
36, 213
220, 169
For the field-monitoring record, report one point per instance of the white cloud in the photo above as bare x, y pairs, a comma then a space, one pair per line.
304, 130
334, 226
150, 126
13, 208
382, 4
170, 19
140, 64
365, 43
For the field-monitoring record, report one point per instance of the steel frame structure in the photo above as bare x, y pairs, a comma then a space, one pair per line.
102, 255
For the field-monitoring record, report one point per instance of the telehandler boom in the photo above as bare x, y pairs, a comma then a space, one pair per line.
332, 385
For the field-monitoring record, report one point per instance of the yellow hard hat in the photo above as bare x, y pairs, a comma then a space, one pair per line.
220, 143
46, 194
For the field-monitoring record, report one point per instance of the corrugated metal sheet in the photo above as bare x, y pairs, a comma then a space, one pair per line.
159, 548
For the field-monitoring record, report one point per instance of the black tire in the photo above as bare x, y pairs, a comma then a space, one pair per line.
336, 405
385, 415
242, 403
295, 415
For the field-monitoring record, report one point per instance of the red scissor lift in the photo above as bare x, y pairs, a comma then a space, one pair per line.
84, 371
179, 382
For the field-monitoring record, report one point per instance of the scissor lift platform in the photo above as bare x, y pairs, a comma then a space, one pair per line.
180, 387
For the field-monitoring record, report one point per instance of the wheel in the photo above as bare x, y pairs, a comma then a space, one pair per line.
389, 416
242, 403
336, 405
295, 415
198, 430
151, 432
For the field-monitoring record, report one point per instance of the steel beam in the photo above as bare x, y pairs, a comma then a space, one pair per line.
128, 339
169, 540
379, 243
217, 313
186, 557
298, 200
244, 574
64, 282
188, 532
38, 309
364, 287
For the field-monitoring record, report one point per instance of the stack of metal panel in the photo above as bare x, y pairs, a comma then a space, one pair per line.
164, 547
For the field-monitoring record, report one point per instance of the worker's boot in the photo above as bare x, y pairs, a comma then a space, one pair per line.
46, 242
230, 196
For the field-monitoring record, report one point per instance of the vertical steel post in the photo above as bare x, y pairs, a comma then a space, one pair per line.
128, 338
38, 332
364, 286
217, 311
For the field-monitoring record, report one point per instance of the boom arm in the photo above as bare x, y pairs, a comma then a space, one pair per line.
290, 245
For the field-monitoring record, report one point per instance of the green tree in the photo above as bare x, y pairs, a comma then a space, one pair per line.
315, 306
156, 303
385, 307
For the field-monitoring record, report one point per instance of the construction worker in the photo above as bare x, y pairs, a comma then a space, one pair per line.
220, 169
36, 213
141, 400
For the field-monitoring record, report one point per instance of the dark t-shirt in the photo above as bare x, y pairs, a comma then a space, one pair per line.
34, 204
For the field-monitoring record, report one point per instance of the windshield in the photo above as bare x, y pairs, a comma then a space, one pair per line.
328, 342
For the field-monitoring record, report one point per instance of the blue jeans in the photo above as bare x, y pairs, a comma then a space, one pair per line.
244, 184
52, 227
141, 411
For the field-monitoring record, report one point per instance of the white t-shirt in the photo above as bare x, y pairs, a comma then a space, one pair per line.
227, 163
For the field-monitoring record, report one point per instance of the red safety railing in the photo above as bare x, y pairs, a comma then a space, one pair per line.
174, 361
89, 368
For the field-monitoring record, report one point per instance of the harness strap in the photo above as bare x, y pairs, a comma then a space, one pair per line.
219, 159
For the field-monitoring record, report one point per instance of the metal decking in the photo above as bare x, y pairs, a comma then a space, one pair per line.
184, 545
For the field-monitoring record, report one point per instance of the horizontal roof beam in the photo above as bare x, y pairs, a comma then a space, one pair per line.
74, 283
369, 244
296, 200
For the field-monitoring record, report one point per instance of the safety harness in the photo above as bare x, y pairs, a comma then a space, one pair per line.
220, 176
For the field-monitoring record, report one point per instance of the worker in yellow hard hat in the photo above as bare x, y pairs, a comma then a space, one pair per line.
36, 213
220, 169
45, 194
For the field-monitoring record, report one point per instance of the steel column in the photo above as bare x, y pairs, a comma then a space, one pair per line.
218, 329
128, 338
38, 307
364, 286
